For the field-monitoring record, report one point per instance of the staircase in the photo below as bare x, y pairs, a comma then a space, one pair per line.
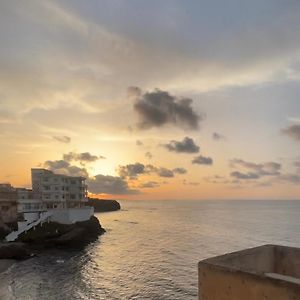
15, 234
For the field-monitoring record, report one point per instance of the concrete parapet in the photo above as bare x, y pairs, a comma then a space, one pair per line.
267, 272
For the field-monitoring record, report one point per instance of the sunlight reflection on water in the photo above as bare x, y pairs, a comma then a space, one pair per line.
151, 249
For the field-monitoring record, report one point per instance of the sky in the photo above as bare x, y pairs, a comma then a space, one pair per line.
153, 99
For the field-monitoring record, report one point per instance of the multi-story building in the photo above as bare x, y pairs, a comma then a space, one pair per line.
54, 197
58, 191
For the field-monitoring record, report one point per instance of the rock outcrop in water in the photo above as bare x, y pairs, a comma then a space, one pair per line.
52, 235
101, 205
67, 235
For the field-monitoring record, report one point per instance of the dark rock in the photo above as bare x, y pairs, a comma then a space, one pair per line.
3, 232
68, 235
101, 205
81, 233
14, 251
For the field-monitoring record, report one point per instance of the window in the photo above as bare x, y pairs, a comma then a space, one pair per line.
47, 196
27, 206
5, 208
73, 196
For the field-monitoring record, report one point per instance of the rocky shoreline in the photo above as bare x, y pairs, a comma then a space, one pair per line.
55, 235
52, 235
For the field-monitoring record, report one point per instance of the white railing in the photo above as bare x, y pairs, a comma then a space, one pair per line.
14, 235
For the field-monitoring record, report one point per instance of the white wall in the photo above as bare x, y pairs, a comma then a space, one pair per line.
71, 215
31, 216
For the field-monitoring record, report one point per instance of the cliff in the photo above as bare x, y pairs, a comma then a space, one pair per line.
101, 205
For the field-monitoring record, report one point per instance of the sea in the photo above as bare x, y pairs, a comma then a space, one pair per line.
151, 249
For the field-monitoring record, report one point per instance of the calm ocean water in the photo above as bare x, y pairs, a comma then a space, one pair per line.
151, 250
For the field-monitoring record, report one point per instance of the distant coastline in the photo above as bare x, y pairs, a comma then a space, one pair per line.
103, 205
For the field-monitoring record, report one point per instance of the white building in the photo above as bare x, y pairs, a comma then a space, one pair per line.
58, 191
54, 197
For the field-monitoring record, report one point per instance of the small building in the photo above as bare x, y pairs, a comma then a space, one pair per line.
8, 207
268, 272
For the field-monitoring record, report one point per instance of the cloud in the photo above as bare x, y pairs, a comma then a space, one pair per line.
217, 179
132, 170
297, 164
180, 170
7, 116
185, 182
84, 157
98, 184
159, 108
148, 155
56, 164
290, 178
292, 131
263, 169
104, 184
218, 137
186, 146
239, 175
202, 160
134, 92
149, 184
164, 172
63, 139
64, 167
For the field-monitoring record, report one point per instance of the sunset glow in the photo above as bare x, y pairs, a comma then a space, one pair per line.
146, 103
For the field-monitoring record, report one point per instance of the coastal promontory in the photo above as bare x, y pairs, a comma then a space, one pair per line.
101, 205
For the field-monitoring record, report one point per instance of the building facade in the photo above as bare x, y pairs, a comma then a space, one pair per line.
8, 206
58, 191
54, 197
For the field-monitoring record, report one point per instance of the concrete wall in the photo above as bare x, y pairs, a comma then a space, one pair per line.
287, 261
30, 217
243, 275
72, 215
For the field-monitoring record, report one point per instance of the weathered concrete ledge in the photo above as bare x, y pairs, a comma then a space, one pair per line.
263, 273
